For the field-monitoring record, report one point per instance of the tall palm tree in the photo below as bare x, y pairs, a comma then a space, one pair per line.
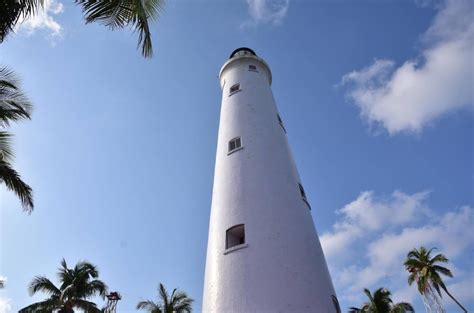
381, 302
114, 14
425, 271
77, 285
178, 302
14, 106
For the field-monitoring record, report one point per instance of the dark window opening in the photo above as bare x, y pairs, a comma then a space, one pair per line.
281, 123
336, 304
252, 67
303, 195
235, 144
234, 88
235, 236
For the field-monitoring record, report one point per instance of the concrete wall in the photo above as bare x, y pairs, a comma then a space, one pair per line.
281, 266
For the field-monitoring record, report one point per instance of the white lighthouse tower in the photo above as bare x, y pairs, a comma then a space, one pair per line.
263, 252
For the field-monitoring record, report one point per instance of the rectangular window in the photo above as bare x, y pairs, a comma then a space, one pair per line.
303, 195
252, 68
234, 88
235, 144
281, 123
235, 236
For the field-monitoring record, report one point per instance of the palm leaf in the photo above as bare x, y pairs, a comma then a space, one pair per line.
122, 13
13, 182
12, 10
149, 306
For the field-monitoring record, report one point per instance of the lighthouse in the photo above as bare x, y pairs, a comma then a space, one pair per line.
263, 252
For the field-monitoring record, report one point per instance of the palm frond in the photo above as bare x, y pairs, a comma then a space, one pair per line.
163, 295
47, 306
41, 283
14, 104
121, 13
12, 10
14, 183
402, 307
86, 306
6, 152
149, 306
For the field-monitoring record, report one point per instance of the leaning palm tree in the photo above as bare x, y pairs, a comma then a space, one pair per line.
114, 14
14, 106
425, 271
178, 302
77, 285
380, 302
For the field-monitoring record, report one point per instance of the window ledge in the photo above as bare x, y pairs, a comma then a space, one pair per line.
234, 92
256, 71
238, 247
307, 203
235, 150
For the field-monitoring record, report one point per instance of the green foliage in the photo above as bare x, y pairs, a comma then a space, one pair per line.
425, 271
178, 302
77, 285
125, 13
14, 106
381, 302
11, 11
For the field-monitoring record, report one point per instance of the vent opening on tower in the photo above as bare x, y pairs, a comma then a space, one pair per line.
303, 195
234, 88
235, 236
281, 122
336, 304
235, 145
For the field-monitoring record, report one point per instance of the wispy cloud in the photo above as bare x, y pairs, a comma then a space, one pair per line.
266, 12
367, 246
409, 97
5, 305
44, 20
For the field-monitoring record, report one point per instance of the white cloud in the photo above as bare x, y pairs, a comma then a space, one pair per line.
369, 213
267, 12
367, 246
5, 305
44, 20
411, 96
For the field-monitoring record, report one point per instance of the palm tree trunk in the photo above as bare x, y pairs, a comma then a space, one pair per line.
454, 299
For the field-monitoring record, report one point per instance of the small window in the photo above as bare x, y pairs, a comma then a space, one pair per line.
281, 123
336, 304
252, 68
235, 144
303, 195
234, 88
235, 236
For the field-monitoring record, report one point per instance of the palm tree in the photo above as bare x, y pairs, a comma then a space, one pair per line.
14, 106
425, 270
114, 14
77, 285
178, 302
380, 302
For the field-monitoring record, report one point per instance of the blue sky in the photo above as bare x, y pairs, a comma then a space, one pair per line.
376, 98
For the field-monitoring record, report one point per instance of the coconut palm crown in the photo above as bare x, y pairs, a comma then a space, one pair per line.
77, 286
178, 302
381, 302
14, 106
425, 271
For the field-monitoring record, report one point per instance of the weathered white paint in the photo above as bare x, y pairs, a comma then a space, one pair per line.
281, 267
